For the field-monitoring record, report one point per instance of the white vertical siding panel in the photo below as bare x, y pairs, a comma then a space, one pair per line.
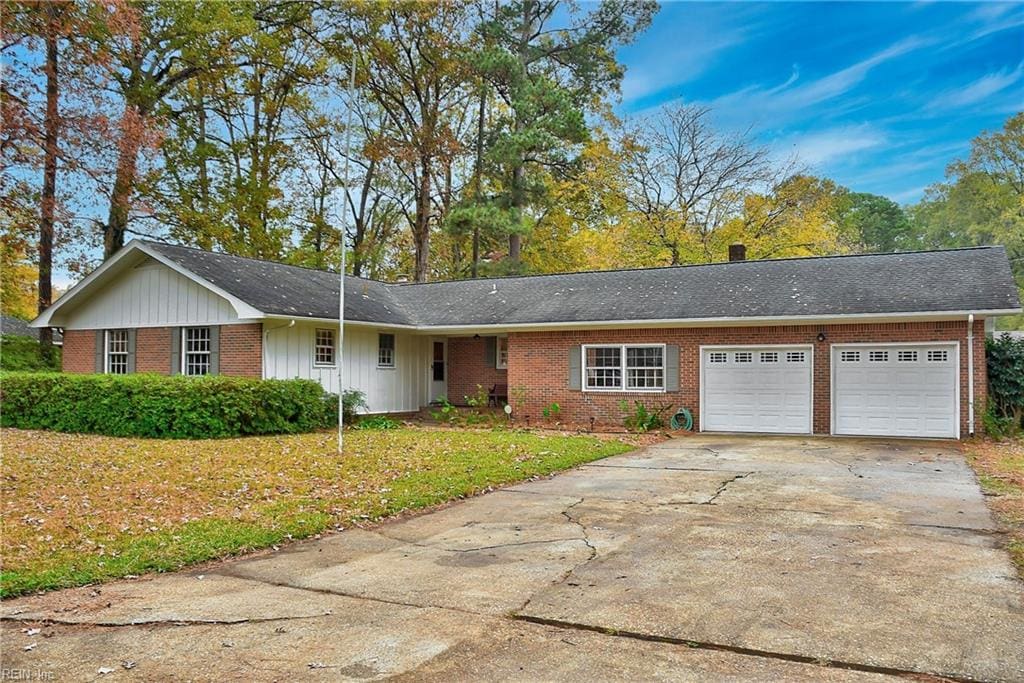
151, 295
289, 353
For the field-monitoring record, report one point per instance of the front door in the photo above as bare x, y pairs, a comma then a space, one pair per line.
438, 370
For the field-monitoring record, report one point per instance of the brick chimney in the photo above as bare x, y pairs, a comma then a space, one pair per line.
737, 252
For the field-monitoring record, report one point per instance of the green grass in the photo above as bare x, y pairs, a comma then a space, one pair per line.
83, 508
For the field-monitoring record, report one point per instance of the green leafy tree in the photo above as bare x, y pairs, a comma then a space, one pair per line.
874, 224
549, 65
982, 200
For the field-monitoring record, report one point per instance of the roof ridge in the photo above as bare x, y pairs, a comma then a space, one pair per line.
160, 243
699, 265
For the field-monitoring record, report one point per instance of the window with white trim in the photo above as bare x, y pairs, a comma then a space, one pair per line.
906, 356
385, 350
938, 356
849, 356
743, 357
795, 356
323, 347
501, 360
878, 356
624, 367
769, 356
117, 352
718, 357
196, 351
645, 367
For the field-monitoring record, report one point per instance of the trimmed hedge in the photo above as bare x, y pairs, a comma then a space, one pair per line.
164, 407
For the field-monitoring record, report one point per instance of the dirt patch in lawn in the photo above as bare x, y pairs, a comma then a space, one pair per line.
1000, 469
84, 508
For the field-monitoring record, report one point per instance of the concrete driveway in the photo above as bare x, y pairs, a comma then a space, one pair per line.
708, 557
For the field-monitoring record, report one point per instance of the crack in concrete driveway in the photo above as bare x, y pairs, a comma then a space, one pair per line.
801, 572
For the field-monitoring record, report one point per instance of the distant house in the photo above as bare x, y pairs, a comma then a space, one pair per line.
864, 345
9, 325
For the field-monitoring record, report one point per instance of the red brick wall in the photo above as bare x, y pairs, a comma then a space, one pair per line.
153, 350
468, 367
539, 361
241, 350
78, 354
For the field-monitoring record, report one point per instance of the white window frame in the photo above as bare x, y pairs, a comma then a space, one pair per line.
317, 346
185, 352
623, 369
107, 353
394, 351
501, 355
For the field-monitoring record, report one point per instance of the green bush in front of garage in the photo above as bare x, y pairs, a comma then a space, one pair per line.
1005, 413
159, 406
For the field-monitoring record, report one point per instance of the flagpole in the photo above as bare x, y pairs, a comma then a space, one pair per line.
341, 271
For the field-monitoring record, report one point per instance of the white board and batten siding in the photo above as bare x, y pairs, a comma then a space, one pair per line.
151, 295
288, 354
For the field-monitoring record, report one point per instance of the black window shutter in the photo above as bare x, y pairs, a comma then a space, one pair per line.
100, 349
575, 367
214, 350
671, 367
131, 350
176, 350
491, 351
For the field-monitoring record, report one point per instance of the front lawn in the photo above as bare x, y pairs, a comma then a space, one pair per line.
84, 508
1000, 469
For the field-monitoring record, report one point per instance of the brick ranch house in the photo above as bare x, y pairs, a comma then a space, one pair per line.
885, 345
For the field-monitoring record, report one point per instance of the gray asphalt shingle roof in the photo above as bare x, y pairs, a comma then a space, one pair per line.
975, 279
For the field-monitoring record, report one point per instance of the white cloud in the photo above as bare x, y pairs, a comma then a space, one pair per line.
981, 89
821, 147
776, 104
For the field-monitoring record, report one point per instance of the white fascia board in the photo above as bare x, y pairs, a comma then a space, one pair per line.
348, 323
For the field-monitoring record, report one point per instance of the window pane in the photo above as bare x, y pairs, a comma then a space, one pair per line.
604, 357
645, 378
197, 351
323, 350
643, 357
117, 352
604, 378
386, 350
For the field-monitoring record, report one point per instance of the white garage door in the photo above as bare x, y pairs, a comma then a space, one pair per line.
756, 389
895, 390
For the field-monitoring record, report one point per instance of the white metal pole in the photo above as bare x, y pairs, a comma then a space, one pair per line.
341, 271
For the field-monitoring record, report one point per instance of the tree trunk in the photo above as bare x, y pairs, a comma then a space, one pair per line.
49, 195
479, 172
124, 185
519, 172
421, 231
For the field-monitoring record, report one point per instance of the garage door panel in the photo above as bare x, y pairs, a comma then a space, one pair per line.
895, 391
754, 389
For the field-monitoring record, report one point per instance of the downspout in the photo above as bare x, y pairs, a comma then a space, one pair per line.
266, 335
970, 374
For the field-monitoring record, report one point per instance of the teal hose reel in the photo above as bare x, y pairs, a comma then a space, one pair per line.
682, 420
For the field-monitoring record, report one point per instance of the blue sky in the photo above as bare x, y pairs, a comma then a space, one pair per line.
878, 96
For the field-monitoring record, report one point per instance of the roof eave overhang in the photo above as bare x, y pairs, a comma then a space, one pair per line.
734, 321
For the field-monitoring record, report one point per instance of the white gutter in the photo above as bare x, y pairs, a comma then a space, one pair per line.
970, 374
